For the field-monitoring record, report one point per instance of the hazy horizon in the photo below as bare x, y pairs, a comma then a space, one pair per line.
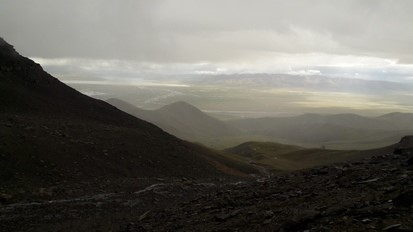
172, 50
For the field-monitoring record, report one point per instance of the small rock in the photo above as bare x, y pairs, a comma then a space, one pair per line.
268, 214
43, 192
319, 172
404, 176
391, 227
5, 197
223, 217
144, 215
267, 221
410, 161
132, 203
367, 181
366, 220
390, 189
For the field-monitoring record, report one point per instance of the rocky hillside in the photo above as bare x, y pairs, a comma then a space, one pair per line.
373, 194
51, 133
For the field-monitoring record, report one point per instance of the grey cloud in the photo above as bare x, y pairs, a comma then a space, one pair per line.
212, 31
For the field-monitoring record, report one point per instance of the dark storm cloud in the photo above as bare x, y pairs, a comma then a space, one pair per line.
210, 31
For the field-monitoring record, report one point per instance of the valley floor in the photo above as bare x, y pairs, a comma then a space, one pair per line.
368, 195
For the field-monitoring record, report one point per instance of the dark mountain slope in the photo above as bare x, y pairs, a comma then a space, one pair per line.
50, 132
180, 119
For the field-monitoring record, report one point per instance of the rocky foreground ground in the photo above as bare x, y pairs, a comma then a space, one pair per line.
370, 195
374, 194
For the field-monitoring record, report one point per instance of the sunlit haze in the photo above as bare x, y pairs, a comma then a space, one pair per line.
176, 50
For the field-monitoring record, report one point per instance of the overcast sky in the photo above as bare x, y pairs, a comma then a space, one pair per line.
366, 38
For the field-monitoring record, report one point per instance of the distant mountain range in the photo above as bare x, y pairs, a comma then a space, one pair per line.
49, 132
392, 121
339, 131
319, 130
181, 118
314, 83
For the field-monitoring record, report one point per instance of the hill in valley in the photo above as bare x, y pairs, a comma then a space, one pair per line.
281, 157
180, 119
51, 133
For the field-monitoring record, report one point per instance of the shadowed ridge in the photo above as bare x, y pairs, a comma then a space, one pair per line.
180, 106
26, 87
191, 121
9, 55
